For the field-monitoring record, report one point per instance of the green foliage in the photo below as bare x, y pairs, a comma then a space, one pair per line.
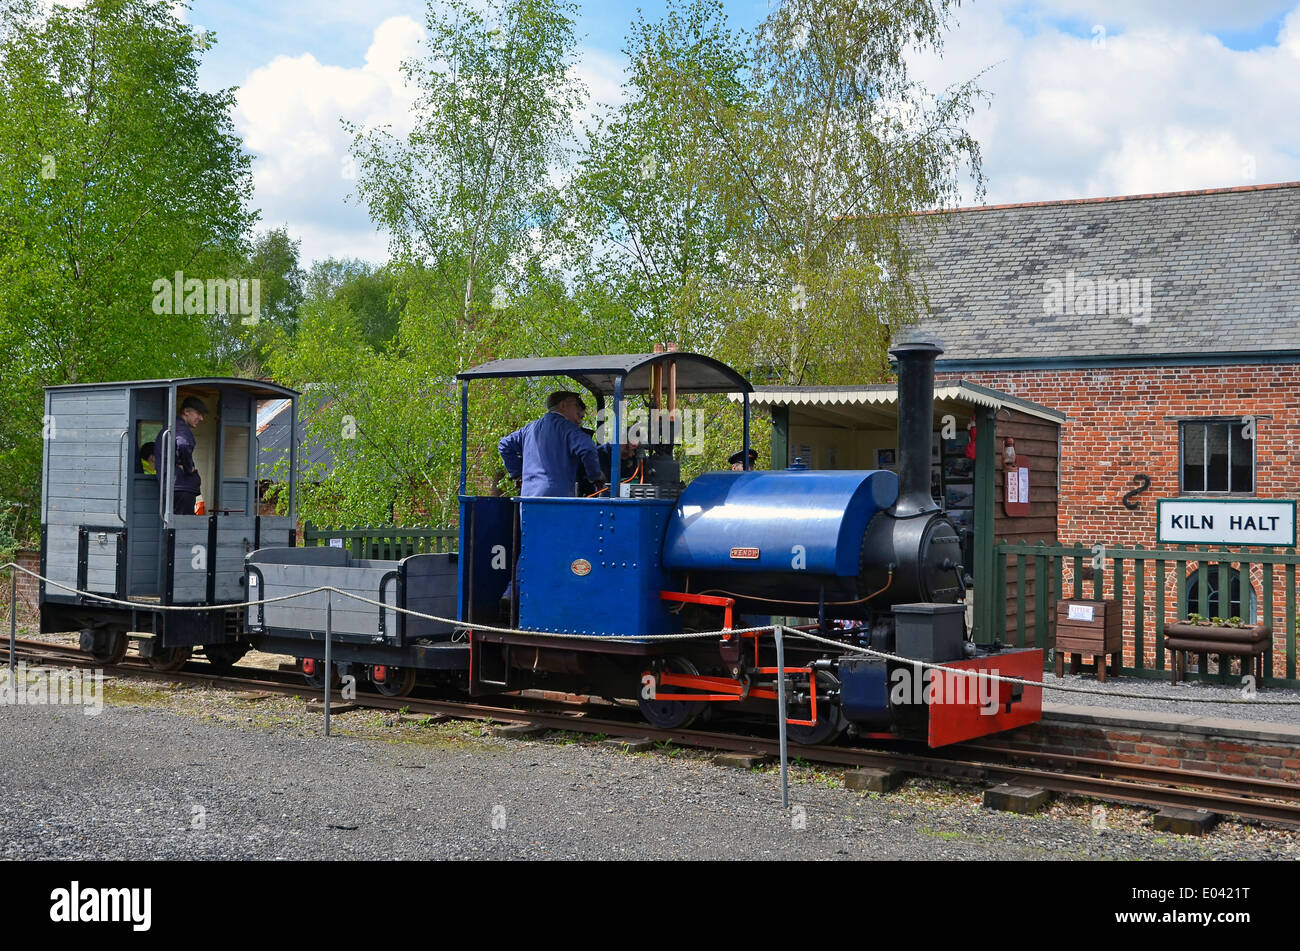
373, 294
749, 198
464, 198
115, 171
649, 215
11, 534
753, 197
461, 193
273, 262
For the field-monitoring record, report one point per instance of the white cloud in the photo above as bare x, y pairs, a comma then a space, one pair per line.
603, 76
1160, 107
289, 114
1289, 36
1194, 14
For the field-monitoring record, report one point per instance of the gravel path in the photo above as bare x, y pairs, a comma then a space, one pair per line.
132, 782
1189, 698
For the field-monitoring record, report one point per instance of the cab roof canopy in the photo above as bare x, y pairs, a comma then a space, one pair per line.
259, 388
696, 373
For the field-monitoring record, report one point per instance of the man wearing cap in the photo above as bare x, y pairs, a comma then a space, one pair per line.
547, 454
737, 460
186, 485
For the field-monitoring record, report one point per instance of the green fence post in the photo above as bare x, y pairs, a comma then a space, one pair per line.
1042, 589
1267, 616
1139, 609
998, 609
1290, 617
1160, 613
1099, 579
1203, 604
1225, 605
1020, 594
1180, 584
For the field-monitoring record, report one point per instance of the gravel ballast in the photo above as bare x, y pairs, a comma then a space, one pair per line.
196, 774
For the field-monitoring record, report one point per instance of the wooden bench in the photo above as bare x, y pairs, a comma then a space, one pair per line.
1242, 642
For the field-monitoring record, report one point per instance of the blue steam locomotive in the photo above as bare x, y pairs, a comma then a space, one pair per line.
600, 595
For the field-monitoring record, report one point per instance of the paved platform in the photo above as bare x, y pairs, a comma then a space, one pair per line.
1160, 698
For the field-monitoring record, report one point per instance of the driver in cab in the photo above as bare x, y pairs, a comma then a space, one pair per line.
546, 455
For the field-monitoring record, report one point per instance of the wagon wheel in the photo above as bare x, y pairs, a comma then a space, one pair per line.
113, 653
830, 718
170, 658
316, 679
398, 682
672, 714
224, 656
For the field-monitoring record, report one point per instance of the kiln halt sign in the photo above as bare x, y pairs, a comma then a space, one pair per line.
1225, 522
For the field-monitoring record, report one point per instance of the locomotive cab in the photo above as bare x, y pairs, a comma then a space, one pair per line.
585, 565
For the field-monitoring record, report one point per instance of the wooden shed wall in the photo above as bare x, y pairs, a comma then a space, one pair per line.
1038, 441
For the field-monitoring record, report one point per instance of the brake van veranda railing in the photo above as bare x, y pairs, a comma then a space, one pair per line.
1153, 586
389, 542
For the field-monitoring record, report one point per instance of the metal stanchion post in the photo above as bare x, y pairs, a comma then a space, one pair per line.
329, 668
781, 714
13, 624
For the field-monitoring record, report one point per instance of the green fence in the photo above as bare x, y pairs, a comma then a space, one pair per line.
1032, 578
387, 543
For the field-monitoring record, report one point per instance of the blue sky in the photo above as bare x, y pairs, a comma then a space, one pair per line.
1088, 97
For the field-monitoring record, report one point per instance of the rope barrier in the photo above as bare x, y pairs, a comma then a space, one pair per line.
689, 635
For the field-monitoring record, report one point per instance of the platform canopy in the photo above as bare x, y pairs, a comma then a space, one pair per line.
696, 373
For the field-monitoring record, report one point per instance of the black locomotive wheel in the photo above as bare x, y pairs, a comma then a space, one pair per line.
397, 682
170, 658
671, 714
830, 719
224, 656
112, 650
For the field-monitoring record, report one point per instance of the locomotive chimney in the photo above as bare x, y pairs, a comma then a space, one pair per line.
915, 425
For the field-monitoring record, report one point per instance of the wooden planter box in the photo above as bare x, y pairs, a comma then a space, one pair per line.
1244, 641
1096, 629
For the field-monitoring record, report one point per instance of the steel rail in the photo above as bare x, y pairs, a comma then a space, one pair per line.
1132, 784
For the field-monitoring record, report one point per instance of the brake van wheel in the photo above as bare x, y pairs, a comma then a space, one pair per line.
397, 682
313, 672
170, 658
105, 647
670, 714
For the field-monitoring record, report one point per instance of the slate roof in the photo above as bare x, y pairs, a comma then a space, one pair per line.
273, 437
1223, 266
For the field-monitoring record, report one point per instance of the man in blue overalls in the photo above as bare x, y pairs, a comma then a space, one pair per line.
544, 456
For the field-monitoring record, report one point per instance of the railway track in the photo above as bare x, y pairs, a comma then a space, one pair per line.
1150, 786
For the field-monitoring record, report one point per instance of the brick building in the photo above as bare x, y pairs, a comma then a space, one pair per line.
1164, 327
